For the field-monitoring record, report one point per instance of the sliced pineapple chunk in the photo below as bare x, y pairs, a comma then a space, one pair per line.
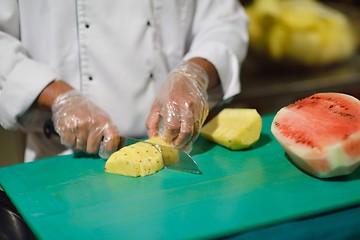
138, 159
170, 155
234, 128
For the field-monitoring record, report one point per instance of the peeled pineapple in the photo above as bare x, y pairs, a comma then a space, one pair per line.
306, 32
234, 128
138, 159
142, 158
169, 155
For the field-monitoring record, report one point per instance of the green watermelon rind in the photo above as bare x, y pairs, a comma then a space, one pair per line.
325, 161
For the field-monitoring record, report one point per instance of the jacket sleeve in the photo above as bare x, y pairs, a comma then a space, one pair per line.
21, 78
220, 35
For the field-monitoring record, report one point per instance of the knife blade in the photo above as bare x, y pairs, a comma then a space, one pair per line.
179, 160
183, 163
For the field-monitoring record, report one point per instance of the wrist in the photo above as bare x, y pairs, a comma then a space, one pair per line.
194, 72
48, 95
209, 68
67, 99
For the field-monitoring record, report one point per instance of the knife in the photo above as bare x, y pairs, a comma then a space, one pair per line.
183, 161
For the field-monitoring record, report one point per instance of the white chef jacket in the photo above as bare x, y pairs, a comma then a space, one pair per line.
116, 52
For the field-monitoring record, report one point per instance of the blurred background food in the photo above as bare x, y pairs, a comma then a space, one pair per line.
300, 32
306, 46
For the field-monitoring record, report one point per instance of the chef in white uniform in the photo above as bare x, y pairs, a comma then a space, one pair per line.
111, 68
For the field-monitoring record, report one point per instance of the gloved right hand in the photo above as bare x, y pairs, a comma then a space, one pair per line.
84, 126
181, 106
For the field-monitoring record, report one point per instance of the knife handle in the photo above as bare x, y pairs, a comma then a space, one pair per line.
49, 129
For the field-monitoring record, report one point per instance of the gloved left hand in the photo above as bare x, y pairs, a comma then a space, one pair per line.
83, 125
180, 107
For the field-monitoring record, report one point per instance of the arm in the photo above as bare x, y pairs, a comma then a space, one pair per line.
219, 43
220, 35
21, 78
26, 84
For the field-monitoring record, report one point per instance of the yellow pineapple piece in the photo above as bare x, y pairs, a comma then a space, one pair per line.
234, 128
169, 155
138, 159
277, 38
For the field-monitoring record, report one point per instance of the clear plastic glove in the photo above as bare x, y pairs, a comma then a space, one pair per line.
180, 107
84, 126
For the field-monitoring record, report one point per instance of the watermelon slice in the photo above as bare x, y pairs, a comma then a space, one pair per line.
321, 133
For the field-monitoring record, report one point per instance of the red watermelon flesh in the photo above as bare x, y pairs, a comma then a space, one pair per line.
321, 133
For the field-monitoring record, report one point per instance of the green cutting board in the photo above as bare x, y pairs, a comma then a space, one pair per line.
69, 197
